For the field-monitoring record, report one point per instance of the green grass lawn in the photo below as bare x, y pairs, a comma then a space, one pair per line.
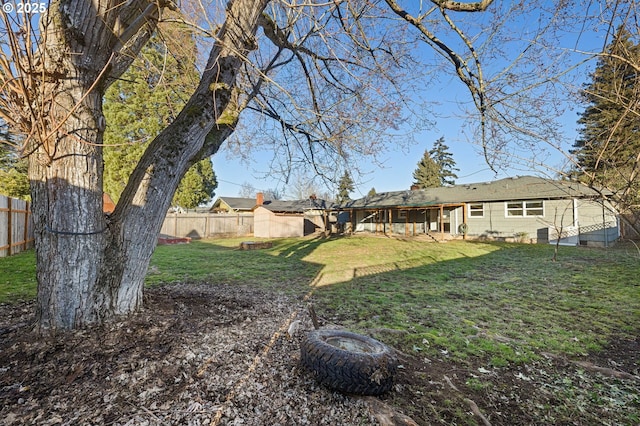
503, 302
18, 277
491, 311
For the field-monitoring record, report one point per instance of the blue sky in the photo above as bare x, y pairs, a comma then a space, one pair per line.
395, 172
398, 163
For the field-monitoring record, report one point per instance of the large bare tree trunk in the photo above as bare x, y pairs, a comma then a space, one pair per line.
67, 210
91, 266
65, 168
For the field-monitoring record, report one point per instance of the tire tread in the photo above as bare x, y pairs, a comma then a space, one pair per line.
349, 371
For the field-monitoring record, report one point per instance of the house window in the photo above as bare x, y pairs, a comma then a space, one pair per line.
524, 208
476, 210
402, 214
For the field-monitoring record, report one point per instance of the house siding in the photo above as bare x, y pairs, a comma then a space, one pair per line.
557, 214
598, 225
495, 223
233, 205
314, 221
528, 209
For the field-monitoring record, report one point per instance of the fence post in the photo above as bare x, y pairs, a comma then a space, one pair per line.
25, 234
175, 224
9, 227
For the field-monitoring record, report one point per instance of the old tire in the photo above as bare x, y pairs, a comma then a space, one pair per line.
349, 362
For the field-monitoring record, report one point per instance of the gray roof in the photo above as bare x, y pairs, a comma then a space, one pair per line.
515, 188
295, 206
236, 203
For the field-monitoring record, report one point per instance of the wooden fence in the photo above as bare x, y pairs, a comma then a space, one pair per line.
206, 225
629, 225
16, 228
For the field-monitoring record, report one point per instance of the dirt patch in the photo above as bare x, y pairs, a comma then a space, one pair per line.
201, 354
196, 354
551, 390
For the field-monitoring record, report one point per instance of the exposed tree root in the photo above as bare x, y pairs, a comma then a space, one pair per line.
386, 415
476, 411
314, 317
587, 365
474, 407
606, 371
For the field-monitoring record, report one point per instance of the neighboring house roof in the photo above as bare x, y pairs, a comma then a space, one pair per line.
515, 188
233, 203
295, 206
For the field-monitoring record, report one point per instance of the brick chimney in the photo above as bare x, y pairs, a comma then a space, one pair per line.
259, 198
415, 187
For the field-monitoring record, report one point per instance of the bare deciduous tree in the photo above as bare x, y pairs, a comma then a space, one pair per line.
91, 266
332, 77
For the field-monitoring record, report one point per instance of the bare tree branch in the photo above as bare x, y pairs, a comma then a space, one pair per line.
459, 6
472, 78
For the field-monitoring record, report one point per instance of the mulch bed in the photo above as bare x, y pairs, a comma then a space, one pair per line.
196, 354
203, 354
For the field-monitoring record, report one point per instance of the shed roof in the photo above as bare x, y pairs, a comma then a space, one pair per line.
514, 188
294, 206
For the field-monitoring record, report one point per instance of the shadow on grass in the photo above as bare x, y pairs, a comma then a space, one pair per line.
486, 312
498, 301
500, 321
504, 305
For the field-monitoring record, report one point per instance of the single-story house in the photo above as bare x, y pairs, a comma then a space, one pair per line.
524, 208
274, 219
233, 205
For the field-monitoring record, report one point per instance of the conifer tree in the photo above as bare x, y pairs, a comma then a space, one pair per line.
444, 159
607, 151
427, 175
5, 144
13, 170
142, 103
344, 188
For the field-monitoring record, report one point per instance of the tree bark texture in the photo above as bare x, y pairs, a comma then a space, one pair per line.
91, 266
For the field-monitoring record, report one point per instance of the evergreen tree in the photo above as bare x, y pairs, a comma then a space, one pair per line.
344, 188
607, 148
444, 159
371, 192
197, 186
142, 103
14, 182
5, 145
13, 170
427, 175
